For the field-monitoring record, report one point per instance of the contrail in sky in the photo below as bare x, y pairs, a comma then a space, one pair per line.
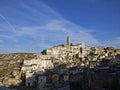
7, 22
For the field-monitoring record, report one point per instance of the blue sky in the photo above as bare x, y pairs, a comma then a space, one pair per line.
35, 25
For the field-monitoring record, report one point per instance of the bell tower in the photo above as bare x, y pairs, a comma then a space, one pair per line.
68, 42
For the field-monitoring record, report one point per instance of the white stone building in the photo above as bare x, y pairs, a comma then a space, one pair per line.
30, 79
36, 65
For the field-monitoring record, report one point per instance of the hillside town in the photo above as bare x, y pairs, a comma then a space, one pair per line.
64, 67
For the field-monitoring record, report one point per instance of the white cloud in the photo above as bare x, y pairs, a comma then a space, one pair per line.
1, 41
114, 42
50, 28
6, 36
59, 29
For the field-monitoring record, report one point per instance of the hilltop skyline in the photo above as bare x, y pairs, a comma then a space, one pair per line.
34, 25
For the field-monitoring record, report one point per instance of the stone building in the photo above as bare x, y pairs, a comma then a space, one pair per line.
30, 79
36, 65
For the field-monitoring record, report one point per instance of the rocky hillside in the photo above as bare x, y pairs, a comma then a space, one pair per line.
16, 56
12, 62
